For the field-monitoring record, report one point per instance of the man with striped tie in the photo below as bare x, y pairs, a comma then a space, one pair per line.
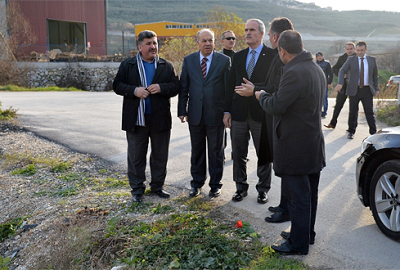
201, 104
147, 83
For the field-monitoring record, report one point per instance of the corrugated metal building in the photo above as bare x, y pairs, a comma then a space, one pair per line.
60, 24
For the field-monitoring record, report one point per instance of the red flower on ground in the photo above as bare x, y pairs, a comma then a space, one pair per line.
239, 224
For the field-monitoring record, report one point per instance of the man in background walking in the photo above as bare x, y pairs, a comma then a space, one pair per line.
341, 95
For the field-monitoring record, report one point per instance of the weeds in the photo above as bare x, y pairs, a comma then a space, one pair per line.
61, 166
15, 88
9, 229
8, 114
389, 115
4, 263
30, 169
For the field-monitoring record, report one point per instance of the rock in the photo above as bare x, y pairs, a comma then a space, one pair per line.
29, 227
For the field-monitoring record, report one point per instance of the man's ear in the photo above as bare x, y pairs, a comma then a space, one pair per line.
275, 37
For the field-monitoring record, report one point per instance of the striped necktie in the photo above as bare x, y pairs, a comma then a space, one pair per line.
204, 67
251, 64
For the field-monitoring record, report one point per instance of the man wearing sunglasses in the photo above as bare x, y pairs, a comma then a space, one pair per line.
228, 40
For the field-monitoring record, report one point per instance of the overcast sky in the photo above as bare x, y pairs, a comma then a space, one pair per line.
375, 5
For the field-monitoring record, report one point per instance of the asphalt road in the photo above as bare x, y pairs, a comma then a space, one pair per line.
347, 236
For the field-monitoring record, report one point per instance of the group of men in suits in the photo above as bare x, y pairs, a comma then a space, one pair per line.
272, 94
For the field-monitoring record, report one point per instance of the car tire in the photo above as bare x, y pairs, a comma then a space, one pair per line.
385, 198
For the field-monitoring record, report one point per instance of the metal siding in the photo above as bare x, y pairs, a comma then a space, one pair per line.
91, 12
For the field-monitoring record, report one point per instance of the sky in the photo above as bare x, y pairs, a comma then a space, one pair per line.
374, 5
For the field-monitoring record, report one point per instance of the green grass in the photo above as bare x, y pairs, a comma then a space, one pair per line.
28, 170
61, 166
15, 88
8, 114
10, 228
389, 115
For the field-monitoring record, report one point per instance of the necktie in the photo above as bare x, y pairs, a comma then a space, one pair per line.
204, 67
362, 72
251, 64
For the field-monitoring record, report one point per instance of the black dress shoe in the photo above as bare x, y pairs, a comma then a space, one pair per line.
161, 193
215, 192
262, 197
239, 195
350, 135
273, 209
285, 249
194, 192
278, 217
286, 235
137, 198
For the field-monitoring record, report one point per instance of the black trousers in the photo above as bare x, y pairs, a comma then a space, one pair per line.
340, 100
201, 138
301, 192
138, 143
365, 96
240, 146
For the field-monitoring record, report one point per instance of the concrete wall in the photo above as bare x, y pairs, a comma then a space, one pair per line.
97, 76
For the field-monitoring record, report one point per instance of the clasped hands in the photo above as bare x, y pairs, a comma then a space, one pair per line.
144, 92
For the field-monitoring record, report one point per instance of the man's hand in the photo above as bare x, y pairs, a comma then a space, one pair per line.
183, 118
227, 120
154, 88
376, 93
338, 87
258, 93
246, 89
329, 86
142, 93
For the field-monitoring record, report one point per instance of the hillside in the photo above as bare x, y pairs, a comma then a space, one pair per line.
307, 18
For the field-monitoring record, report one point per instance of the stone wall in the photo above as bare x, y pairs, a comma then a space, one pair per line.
97, 76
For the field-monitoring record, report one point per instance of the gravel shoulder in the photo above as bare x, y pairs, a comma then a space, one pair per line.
54, 201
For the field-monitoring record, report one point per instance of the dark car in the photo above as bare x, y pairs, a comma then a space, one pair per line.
378, 179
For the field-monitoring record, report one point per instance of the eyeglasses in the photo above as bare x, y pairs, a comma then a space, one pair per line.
230, 38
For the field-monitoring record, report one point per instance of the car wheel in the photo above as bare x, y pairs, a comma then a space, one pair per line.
384, 198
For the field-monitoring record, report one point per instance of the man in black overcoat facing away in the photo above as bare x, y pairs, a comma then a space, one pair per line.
298, 142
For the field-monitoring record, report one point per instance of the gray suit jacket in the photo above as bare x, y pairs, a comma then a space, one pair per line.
351, 68
203, 98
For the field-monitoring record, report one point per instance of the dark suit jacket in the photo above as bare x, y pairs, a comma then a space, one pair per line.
237, 105
335, 69
270, 85
351, 68
299, 147
203, 97
127, 79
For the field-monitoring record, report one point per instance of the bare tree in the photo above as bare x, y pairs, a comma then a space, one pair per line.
14, 30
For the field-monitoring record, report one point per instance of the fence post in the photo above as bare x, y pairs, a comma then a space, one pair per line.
128, 49
101, 49
123, 43
76, 50
19, 49
48, 50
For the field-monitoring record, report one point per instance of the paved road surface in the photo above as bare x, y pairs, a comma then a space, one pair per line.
347, 237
